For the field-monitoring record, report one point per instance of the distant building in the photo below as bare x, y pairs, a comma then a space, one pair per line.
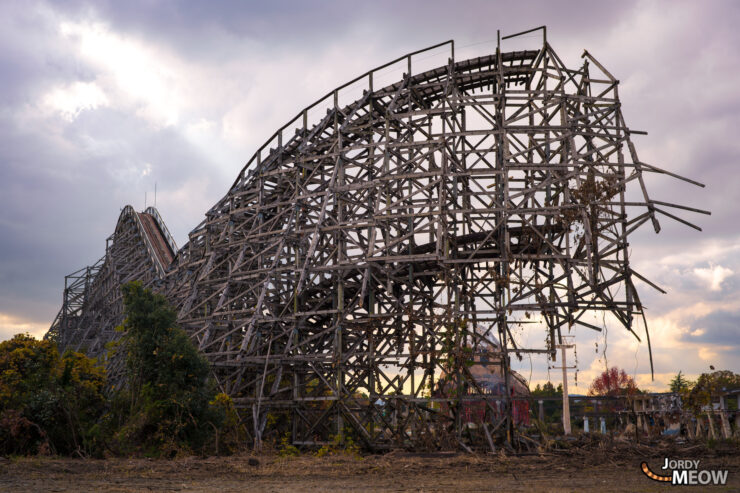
489, 384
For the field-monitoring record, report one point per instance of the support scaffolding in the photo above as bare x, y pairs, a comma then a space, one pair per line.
360, 260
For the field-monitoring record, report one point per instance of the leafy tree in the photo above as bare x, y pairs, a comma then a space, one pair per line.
552, 408
547, 390
231, 435
679, 383
708, 388
48, 404
165, 407
613, 382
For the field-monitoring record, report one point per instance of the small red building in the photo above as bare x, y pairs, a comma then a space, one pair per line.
487, 394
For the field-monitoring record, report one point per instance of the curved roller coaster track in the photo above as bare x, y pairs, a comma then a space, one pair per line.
360, 257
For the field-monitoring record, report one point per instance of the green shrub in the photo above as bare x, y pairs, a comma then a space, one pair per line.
165, 408
48, 404
231, 436
340, 445
287, 449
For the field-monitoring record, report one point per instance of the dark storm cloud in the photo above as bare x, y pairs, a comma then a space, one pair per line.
221, 30
215, 29
63, 200
720, 327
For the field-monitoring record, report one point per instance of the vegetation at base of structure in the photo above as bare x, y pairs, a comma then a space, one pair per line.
286, 449
278, 422
169, 405
613, 382
456, 357
48, 404
340, 445
52, 404
708, 388
231, 436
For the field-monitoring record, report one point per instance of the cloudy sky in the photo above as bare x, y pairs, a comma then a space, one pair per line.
100, 101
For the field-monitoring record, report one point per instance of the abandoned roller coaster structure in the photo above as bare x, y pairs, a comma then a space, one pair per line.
364, 261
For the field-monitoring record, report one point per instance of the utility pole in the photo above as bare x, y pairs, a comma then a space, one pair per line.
567, 344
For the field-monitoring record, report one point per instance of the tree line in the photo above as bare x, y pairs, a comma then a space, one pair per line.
53, 403
695, 394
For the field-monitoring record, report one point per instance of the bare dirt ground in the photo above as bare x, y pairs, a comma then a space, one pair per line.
594, 469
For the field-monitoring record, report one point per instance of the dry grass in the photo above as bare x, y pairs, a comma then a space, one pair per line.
586, 467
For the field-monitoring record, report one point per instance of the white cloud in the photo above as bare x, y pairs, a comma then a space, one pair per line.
713, 275
72, 99
166, 90
142, 75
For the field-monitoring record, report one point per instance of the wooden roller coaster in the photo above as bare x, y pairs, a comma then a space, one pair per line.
361, 259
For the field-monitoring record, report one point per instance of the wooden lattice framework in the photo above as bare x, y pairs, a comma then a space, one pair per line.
359, 259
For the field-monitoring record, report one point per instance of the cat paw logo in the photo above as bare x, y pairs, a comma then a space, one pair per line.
685, 472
